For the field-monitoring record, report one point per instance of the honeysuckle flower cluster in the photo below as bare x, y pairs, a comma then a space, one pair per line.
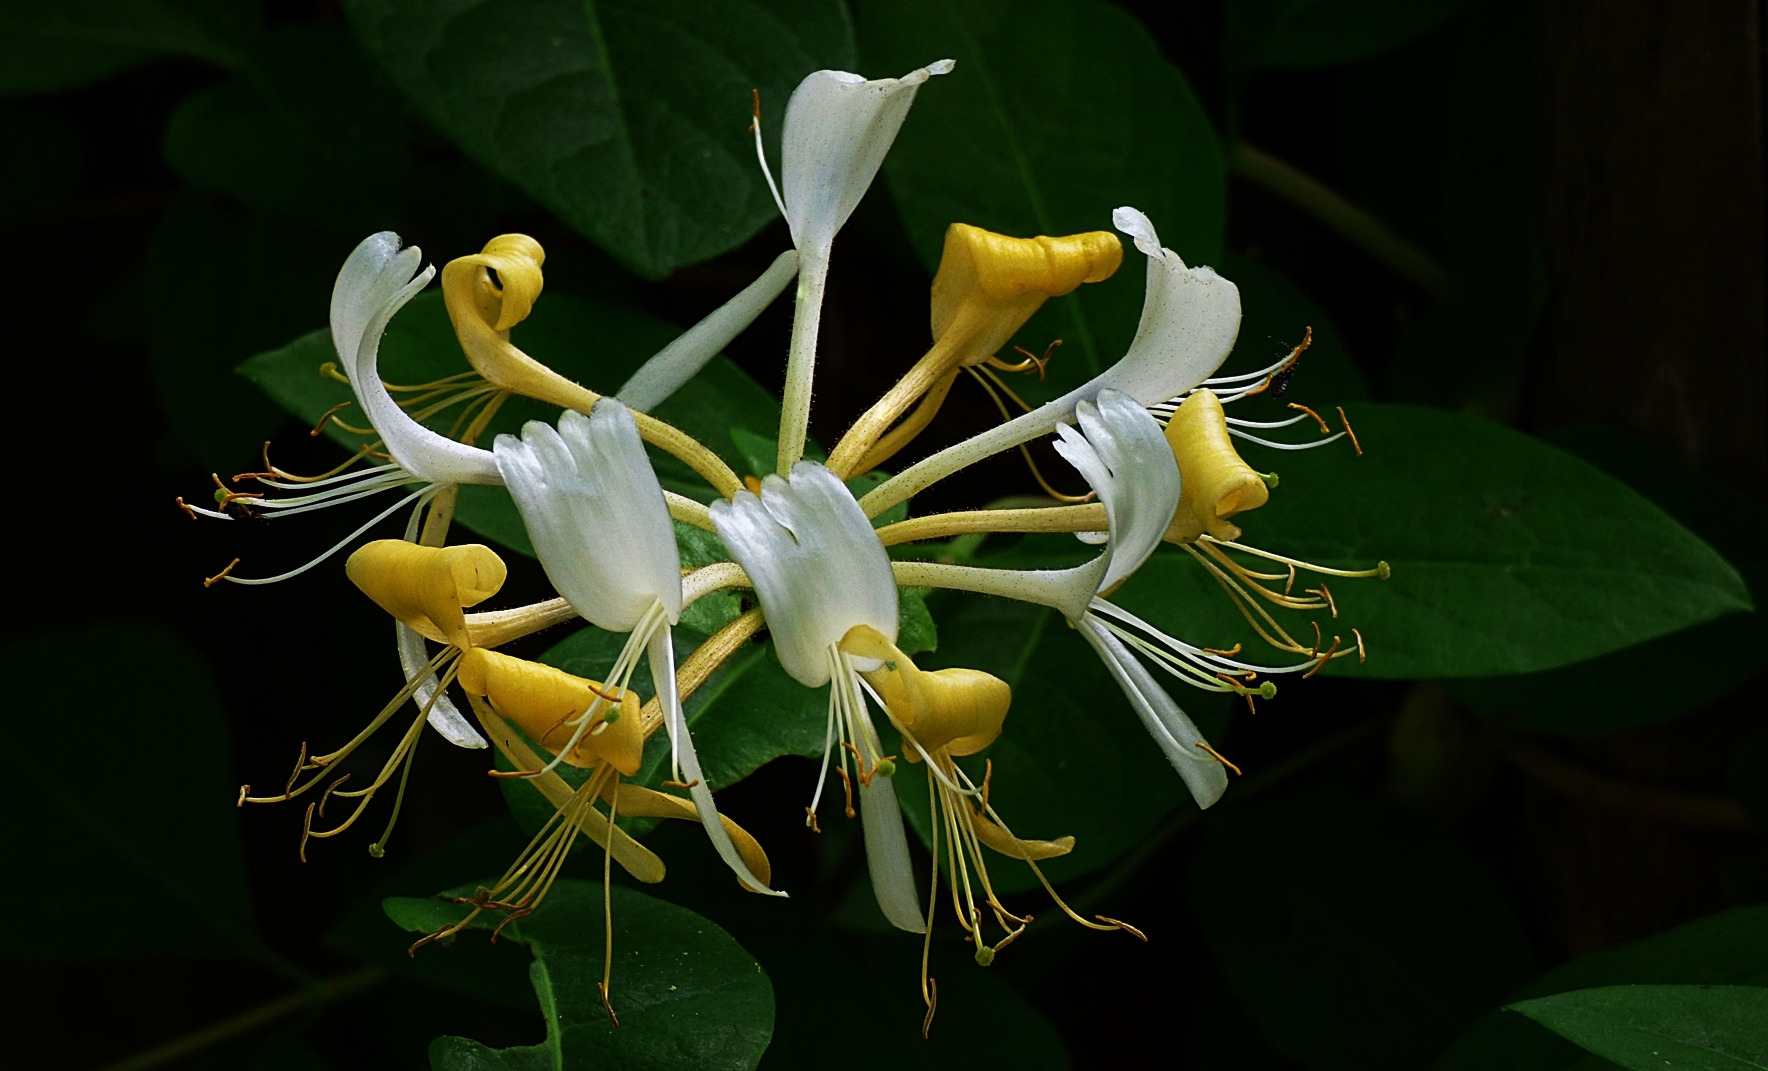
1150, 436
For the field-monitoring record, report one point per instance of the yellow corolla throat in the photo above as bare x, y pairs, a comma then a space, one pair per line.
942, 714
987, 287
428, 588
1214, 482
566, 714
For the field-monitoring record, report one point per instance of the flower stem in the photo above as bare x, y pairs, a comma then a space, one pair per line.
251, 1019
813, 271
1329, 207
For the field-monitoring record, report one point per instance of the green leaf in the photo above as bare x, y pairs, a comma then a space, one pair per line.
473, 966
687, 994
309, 127
1323, 33
1357, 935
176, 868
628, 119
1729, 948
1073, 758
1508, 555
46, 48
1647, 1027
1647, 683
1058, 112
596, 343
1437, 142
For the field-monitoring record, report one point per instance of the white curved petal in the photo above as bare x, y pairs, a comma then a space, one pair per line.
662, 656
678, 362
444, 717
1190, 317
1172, 730
375, 282
596, 514
838, 127
816, 564
887, 855
1126, 459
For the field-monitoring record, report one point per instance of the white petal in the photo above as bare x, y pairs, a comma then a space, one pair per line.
375, 282
596, 514
662, 655
1172, 730
1134, 223
1126, 459
816, 564
838, 128
445, 717
887, 856
679, 361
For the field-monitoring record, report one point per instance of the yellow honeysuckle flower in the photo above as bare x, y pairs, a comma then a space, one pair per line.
988, 285
1216, 483
546, 703
428, 588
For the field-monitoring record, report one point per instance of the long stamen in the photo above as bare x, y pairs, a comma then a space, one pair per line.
341, 544
1024, 449
761, 154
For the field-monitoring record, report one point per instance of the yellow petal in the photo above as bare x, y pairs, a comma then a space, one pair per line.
1007, 844
427, 587
541, 701
988, 284
640, 802
1214, 483
960, 710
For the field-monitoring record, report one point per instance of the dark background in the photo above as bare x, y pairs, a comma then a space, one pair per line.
1649, 199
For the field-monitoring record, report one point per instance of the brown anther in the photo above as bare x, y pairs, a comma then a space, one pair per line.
846, 787
932, 1006
1348, 430
300, 764
411, 953
244, 791
1325, 593
326, 416
516, 913
613, 1019
1323, 658
753, 485
512, 774
810, 821
329, 789
1251, 707
1362, 656
1124, 926
1219, 758
188, 512
1289, 584
1010, 938
1031, 360
1318, 419
755, 102
681, 784
1229, 653
1307, 339
306, 831
987, 778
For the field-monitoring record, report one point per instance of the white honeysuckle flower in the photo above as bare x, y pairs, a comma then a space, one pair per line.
600, 526
376, 282
819, 570
837, 130
1190, 318
678, 362
1122, 452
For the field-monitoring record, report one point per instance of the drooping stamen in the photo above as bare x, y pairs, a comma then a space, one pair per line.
1324, 429
1032, 360
424, 492
605, 985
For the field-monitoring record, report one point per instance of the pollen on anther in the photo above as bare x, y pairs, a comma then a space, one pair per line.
1219, 758
1348, 430
220, 576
